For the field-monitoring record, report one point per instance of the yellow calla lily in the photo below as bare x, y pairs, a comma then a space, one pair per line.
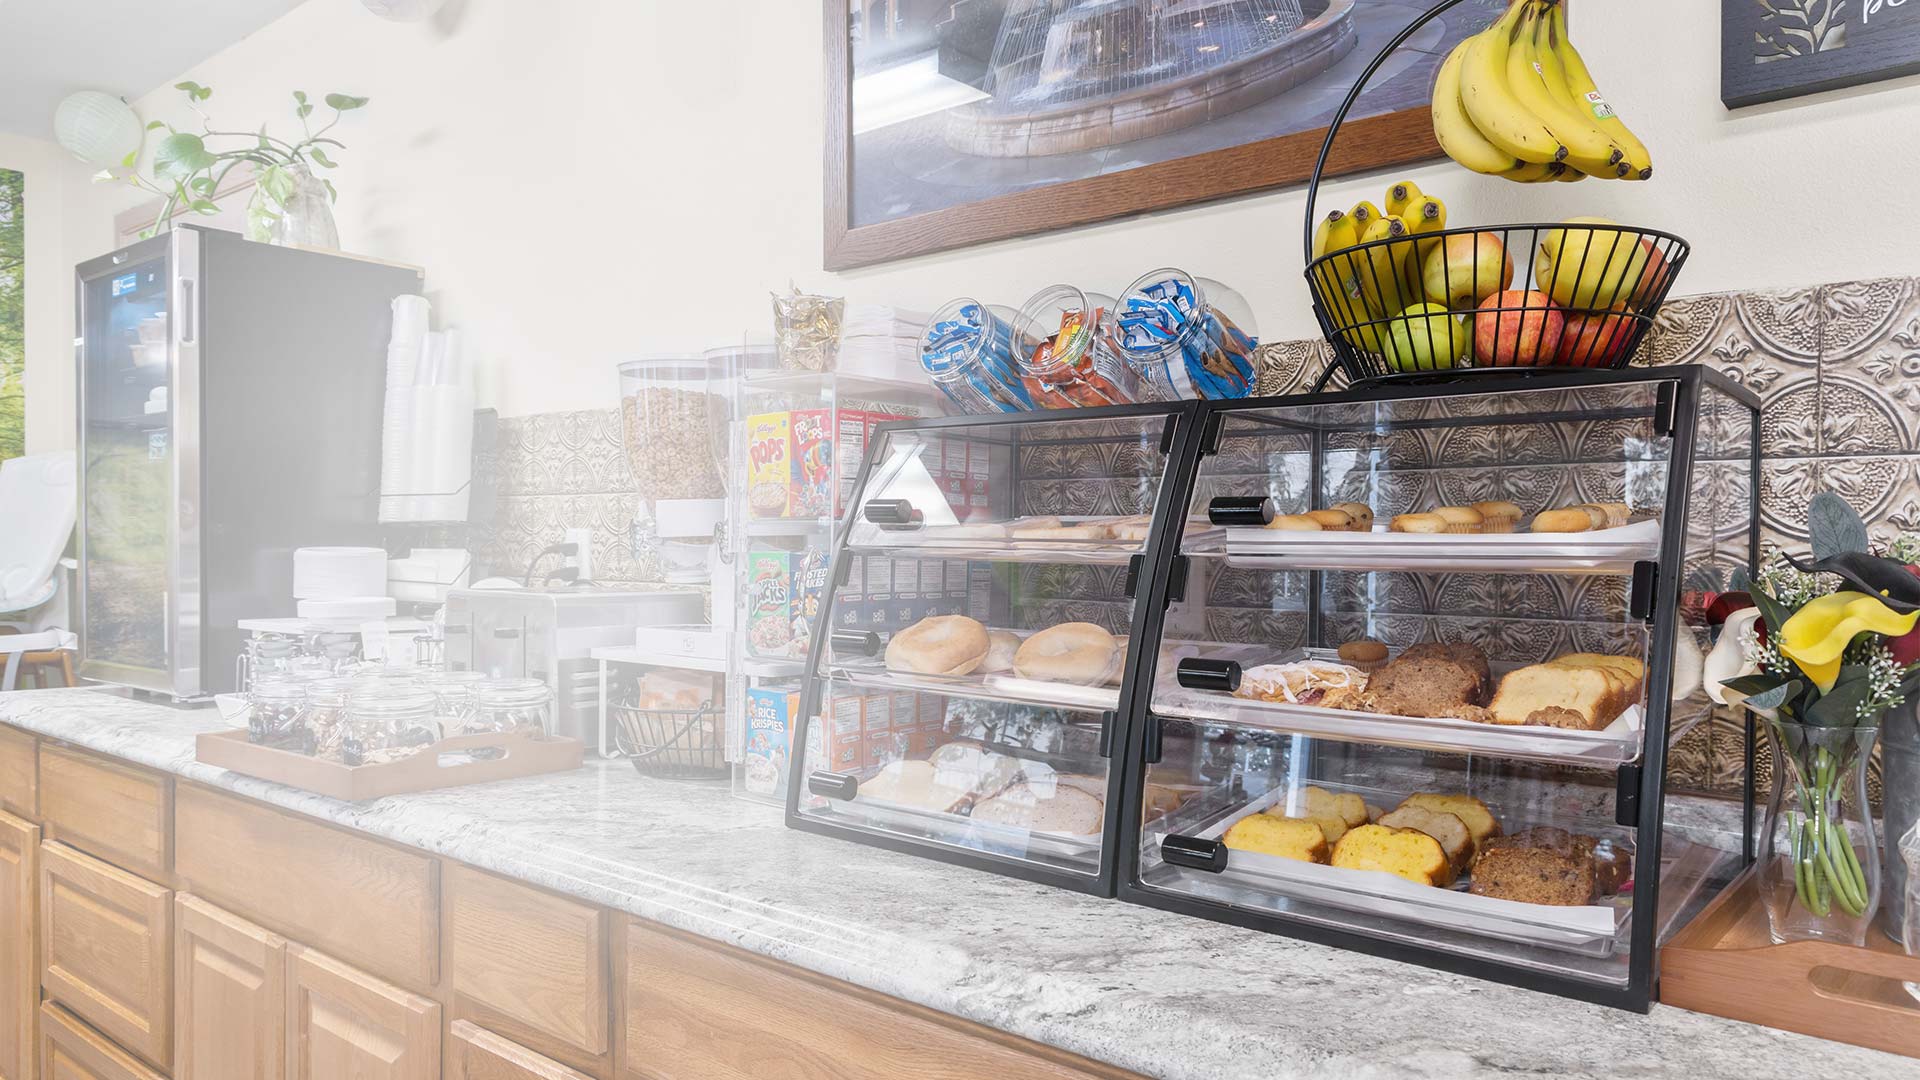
1816, 635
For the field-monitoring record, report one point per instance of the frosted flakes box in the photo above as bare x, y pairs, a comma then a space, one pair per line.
808, 579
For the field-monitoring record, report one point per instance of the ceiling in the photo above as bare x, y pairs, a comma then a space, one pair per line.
50, 48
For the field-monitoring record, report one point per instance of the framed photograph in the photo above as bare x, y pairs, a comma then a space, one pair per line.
1776, 49
955, 122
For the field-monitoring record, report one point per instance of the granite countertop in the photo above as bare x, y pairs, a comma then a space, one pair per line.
1162, 994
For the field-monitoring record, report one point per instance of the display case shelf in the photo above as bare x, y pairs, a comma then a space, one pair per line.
1605, 551
1007, 688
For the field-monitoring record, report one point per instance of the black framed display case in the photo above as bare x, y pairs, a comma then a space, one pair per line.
1566, 665
922, 732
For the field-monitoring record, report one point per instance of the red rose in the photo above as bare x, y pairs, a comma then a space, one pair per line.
1725, 604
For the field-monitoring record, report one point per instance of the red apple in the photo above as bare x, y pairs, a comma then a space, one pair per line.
1597, 340
1517, 328
1654, 277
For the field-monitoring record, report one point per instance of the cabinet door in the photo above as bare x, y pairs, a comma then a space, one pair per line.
19, 960
346, 1023
106, 949
474, 1053
229, 996
70, 1050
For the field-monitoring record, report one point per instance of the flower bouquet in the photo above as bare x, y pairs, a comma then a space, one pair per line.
1827, 647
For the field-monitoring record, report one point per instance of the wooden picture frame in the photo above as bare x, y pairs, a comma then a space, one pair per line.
1771, 50
1376, 142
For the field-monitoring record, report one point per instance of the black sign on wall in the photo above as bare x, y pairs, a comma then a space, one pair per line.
1773, 49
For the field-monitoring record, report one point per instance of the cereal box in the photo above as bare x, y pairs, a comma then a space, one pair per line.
979, 476
850, 600
838, 740
876, 731
813, 485
809, 595
769, 739
850, 450
879, 593
770, 609
770, 471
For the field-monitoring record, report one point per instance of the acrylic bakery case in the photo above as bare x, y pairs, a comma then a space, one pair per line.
969, 684
1475, 781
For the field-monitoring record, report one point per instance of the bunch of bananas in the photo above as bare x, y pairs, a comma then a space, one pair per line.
1516, 100
1385, 281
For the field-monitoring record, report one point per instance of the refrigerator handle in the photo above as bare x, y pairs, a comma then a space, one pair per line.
184, 303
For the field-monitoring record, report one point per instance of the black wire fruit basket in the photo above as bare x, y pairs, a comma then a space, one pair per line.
673, 744
1430, 305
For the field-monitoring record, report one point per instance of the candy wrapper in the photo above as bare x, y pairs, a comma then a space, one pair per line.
1186, 347
807, 330
968, 350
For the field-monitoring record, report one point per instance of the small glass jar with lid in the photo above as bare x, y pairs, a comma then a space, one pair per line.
326, 721
512, 705
308, 667
967, 350
276, 708
1187, 337
453, 698
1066, 361
267, 656
387, 719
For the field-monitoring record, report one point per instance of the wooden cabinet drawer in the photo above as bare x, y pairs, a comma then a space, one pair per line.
229, 996
529, 965
719, 1013
477, 1054
19, 773
371, 904
19, 958
114, 812
69, 1050
345, 1023
106, 947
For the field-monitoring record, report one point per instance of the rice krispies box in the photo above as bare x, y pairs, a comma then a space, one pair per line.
769, 739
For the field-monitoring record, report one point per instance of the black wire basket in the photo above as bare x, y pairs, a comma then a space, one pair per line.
1577, 294
673, 744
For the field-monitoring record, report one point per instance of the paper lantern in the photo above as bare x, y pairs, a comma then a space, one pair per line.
97, 127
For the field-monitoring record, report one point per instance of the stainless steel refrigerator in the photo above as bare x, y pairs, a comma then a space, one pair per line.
229, 405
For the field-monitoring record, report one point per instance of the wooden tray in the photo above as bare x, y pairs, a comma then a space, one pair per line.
446, 764
1725, 963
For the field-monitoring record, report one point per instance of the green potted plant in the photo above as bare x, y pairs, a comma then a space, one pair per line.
289, 204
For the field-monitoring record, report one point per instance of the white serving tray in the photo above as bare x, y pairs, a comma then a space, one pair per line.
1601, 551
1008, 688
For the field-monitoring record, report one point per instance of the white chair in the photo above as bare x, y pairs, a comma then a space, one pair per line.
14, 648
37, 506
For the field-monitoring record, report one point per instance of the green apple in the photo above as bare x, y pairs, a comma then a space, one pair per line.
1590, 269
1425, 337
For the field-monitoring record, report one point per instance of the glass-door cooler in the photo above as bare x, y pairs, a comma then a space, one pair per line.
1416, 695
969, 685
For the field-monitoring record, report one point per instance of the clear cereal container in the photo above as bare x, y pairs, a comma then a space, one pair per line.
1061, 342
967, 350
388, 719
674, 419
1187, 337
512, 705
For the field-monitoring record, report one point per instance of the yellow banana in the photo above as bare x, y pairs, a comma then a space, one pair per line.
1588, 148
1384, 274
1572, 176
1580, 88
1336, 232
1339, 279
1534, 172
1491, 103
1364, 214
1402, 198
1454, 129
1427, 216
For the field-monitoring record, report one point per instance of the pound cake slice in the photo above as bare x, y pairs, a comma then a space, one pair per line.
1346, 806
1288, 838
1452, 833
1403, 853
1471, 811
1538, 866
1560, 695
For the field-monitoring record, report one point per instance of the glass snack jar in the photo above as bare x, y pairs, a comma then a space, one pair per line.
1187, 337
967, 350
387, 719
1061, 342
512, 705
453, 698
326, 718
275, 710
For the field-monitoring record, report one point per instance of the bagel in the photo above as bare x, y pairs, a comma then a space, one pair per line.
1295, 523
1001, 645
1562, 521
1119, 660
939, 645
1075, 652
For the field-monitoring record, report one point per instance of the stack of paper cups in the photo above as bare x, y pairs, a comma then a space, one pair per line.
404, 347
441, 465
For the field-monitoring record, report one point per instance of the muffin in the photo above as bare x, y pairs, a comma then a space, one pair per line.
1426, 524
1295, 523
1360, 512
1498, 516
1334, 520
1460, 519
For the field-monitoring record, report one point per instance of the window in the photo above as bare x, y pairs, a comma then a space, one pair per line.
13, 290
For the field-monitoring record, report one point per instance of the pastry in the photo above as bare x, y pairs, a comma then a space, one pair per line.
1616, 514
1331, 827
1295, 523
1048, 522
1335, 520
1466, 654
1571, 520
1001, 645
1404, 853
984, 531
969, 765
1348, 807
1419, 523
1043, 806
917, 784
1542, 865
1452, 833
1460, 519
1366, 654
1431, 679
1133, 528
1288, 838
1360, 513
1582, 691
1498, 515
1119, 660
1094, 531
1471, 811
1075, 652
939, 645
1301, 683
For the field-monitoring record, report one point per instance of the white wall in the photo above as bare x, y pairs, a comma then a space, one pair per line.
586, 180
51, 175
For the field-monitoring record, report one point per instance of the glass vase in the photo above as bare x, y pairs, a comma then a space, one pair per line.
1820, 865
291, 208
1900, 811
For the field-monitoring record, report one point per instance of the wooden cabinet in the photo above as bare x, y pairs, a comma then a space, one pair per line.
69, 1050
19, 773
117, 813
372, 904
346, 1023
19, 953
530, 965
474, 1053
106, 948
696, 1009
229, 996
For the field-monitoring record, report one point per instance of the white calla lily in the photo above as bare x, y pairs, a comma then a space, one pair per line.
1734, 655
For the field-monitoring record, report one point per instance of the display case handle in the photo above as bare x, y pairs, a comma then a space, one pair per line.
1200, 673
1194, 853
855, 643
891, 513
832, 785
1240, 510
